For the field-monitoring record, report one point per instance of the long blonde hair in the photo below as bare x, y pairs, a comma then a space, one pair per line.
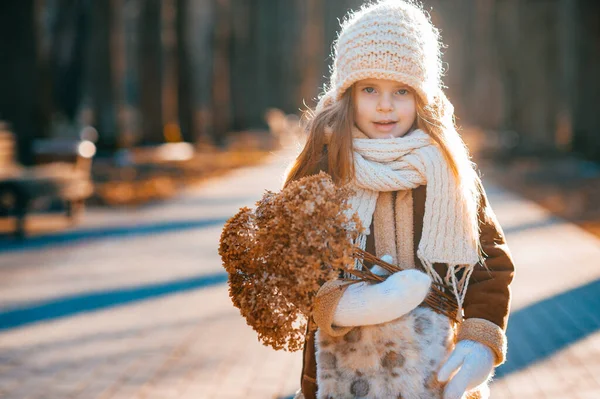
436, 119
339, 118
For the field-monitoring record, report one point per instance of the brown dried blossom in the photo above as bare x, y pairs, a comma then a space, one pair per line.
278, 255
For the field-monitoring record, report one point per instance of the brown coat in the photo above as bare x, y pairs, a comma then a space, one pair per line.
488, 296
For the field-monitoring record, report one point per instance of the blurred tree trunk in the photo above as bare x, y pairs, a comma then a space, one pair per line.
150, 76
248, 101
485, 89
128, 76
120, 39
101, 74
289, 52
20, 84
507, 36
312, 52
185, 75
221, 90
568, 54
538, 75
202, 61
586, 118
268, 70
67, 53
170, 68
471, 60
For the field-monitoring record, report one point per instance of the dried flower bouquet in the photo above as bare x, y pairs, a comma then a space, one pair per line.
278, 256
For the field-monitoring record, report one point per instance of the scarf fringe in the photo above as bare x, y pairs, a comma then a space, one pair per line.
459, 287
450, 227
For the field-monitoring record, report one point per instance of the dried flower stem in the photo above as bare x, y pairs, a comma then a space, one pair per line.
438, 298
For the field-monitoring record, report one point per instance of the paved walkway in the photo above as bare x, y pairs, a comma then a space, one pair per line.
132, 304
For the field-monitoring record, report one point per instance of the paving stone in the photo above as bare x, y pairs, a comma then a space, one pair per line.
124, 308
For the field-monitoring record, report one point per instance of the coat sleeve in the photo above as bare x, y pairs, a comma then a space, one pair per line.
487, 302
325, 304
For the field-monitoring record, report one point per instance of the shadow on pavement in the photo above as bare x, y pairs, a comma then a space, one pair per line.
102, 337
534, 333
544, 328
88, 302
68, 237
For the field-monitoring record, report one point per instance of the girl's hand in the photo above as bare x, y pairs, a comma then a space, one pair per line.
476, 363
365, 304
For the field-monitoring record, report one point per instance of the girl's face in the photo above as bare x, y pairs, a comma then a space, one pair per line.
384, 108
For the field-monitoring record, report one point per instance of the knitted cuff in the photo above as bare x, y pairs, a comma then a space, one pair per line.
487, 333
326, 302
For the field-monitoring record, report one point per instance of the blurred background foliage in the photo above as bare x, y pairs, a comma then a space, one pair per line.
151, 71
220, 74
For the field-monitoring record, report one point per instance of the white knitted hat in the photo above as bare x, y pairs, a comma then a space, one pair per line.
389, 39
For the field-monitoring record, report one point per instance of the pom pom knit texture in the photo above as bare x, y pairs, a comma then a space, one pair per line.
392, 40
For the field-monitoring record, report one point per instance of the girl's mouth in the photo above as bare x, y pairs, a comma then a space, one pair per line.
385, 126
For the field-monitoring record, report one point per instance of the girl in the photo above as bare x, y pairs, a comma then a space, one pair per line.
385, 127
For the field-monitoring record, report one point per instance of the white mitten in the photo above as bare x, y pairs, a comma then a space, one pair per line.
365, 304
476, 363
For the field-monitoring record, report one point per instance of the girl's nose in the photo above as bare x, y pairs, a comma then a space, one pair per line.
385, 104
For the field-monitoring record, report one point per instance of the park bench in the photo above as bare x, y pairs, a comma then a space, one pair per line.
61, 174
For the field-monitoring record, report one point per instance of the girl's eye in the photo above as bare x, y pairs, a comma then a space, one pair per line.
402, 92
369, 90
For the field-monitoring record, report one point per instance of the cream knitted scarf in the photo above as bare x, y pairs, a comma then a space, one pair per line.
450, 228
